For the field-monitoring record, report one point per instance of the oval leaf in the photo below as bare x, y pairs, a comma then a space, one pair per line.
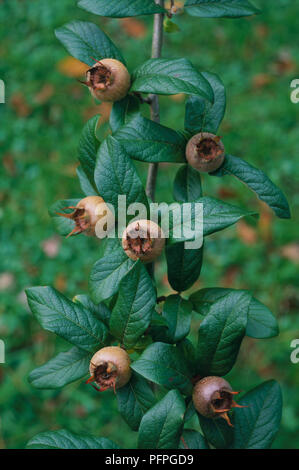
63, 439
121, 8
191, 439
220, 8
217, 432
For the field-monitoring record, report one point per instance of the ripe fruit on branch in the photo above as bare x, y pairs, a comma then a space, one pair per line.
144, 240
110, 368
213, 397
108, 80
87, 213
205, 152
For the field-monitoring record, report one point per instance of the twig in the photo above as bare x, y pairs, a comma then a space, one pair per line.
155, 112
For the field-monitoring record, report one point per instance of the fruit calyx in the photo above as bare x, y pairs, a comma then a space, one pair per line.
144, 240
99, 77
213, 397
205, 152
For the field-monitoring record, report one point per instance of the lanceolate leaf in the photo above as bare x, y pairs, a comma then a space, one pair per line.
71, 321
115, 175
132, 312
221, 333
187, 184
67, 440
149, 141
85, 41
108, 272
120, 8
161, 426
202, 116
177, 312
193, 440
134, 399
86, 186
62, 225
171, 76
88, 147
220, 8
66, 367
257, 425
261, 322
256, 180
165, 365
217, 432
122, 111
101, 310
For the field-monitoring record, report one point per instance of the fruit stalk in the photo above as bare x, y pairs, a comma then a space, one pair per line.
157, 43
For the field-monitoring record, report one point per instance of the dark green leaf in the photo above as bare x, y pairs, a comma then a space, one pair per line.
62, 225
122, 111
217, 432
70, 320
257, 425
134, 399
115, 175
256, 180
88, 147
84, 40
165, 365
63, 439
193, 440
107, 273
169, 77
161, 426
120, 8
221, 333
63, 369
220, 8
132, 312
149, 141
177, 312
202, 116
187, 185
85, 185
101, 310
261, 322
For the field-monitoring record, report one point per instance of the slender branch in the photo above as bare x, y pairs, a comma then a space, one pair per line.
155, 112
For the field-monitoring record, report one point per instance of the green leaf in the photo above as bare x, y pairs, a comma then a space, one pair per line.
86, 186
217, 432
122, 111
165, 365
193, 440
202, 116
221, 333
220, 8
177, 312
88, 147
256, 180
183, 266
149, 141
132, 312
63, 439
169, 77
161, 426
71, 321
107, 273
101, 310
134, 399
63, 369
257, 425
115, 175
217, 215
187, 184
62, 225
84, 40
261, 322
121, 8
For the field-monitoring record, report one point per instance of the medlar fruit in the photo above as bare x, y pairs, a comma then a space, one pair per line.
205, 152
110, 368
144, 240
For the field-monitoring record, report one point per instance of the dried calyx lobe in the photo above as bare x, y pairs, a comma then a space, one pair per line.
98, 77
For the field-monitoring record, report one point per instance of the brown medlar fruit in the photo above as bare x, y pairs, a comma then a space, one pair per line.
86, 214
108, 80
205, 152
144, 240
110, 368
213, 398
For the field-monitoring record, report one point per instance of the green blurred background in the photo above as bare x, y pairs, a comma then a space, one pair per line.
40, 126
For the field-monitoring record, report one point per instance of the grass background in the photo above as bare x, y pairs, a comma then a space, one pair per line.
39, 130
